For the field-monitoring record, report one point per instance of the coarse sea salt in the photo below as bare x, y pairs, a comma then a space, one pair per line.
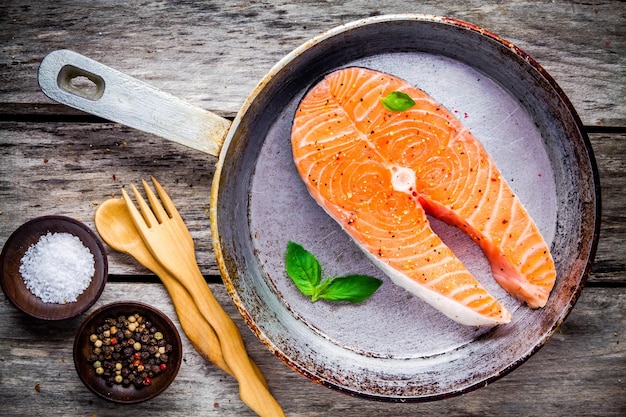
58, 268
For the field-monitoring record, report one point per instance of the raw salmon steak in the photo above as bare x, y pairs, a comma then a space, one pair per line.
379, 173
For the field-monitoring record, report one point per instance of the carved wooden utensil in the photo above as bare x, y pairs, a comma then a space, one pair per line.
164, 233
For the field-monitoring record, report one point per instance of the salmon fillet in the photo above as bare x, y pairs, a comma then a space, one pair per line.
379, 173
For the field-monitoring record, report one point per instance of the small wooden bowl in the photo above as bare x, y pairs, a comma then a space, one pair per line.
16, 246
118, 393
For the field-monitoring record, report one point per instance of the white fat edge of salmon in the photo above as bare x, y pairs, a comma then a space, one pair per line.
450, 308
404, 180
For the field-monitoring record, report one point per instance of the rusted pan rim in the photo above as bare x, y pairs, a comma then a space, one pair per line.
393, 347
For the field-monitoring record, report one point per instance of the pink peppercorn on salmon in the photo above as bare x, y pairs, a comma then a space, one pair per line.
379, 173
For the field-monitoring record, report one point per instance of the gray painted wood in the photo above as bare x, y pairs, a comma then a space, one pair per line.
55, 160
579, 372
212, 54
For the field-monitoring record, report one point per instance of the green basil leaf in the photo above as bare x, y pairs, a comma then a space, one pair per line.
352, 288
320, 290
302, 268
397, 101
306, 272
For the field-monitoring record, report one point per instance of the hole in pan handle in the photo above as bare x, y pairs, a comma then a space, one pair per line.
80, 82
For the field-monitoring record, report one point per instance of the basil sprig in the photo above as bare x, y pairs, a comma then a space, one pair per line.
397, 101
305, 271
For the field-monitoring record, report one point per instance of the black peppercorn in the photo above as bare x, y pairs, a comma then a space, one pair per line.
128, 351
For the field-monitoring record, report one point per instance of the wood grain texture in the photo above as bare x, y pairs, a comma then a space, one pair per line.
73, 167
56, 160
35, 353
214, 53
610, 261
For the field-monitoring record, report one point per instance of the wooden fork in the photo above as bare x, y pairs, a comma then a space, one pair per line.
165, 234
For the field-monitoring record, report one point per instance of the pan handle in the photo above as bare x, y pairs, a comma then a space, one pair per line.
80, 82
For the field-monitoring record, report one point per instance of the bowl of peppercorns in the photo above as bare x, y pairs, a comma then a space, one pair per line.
127, 352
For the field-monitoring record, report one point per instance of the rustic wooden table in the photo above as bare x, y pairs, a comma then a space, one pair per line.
55, 160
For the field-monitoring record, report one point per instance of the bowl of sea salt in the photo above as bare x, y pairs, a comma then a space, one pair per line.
53, 268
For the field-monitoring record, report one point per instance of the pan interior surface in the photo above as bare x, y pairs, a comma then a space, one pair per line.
394, 346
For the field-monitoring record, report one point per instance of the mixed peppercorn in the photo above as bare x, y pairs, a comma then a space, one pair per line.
128, 350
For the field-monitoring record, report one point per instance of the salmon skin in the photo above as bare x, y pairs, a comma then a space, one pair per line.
378, 173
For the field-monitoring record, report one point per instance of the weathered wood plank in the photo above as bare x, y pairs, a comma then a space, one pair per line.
71, 168
213, 54
610, 152
36, 353
77, 166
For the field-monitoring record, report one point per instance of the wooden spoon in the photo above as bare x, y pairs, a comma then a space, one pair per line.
165, 234
117, 229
